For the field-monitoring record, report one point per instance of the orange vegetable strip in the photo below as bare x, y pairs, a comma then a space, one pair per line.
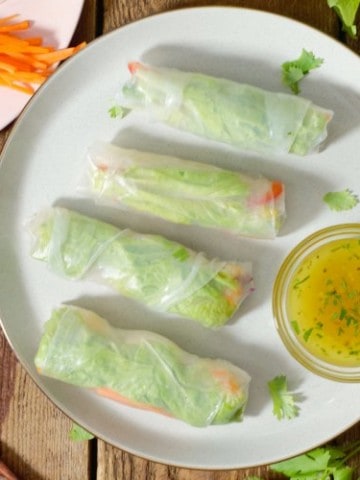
107, 392
23, 48
7, 66
25, 89
7, 19
227, 380
35, 64
24, 61
15, 26
58, 55
25, 76
134, 67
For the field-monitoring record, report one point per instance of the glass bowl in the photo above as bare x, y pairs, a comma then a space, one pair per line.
316, 302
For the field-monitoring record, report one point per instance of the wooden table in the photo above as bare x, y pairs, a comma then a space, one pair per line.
34, 434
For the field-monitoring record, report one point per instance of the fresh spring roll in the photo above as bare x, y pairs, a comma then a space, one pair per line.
184, 191
151, 269
140, 368
226, 111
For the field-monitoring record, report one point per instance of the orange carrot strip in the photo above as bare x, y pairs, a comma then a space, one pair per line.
58, 55
7, 66
134, 67
7, 19
227, 380
15, 26
28, 60
25, 61
106, 392
25, 89
276, 189
32, 77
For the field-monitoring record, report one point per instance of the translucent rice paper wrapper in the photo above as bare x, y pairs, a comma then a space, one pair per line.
184, 191
140, 368
226, 111
160, 273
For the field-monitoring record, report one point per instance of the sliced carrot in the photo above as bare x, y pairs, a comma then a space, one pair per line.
27, 61
134, 67
7, 19
15, 26
276, 189
227, 380
108, 393
57, 55
233, 296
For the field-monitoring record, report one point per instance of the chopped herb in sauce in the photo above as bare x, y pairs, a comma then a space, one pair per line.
324, 302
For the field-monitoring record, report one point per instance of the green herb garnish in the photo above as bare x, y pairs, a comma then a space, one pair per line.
343, 200
323, 463
346, 11
294, 70
117, 111
283, 401
78, 433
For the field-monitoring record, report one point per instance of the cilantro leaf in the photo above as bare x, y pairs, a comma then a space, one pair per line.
283, 400
308, 463
322, 463
346, 10
343, 200
344, 473
117, 111
294, 70
78, 433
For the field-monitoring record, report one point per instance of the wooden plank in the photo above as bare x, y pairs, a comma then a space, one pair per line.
114, 464
87, 28
34, 434
311, 12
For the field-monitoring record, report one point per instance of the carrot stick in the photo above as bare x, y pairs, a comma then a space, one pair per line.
108, 393
134, 67
7, 19
56, 55
276, 189
27, 61
15, 26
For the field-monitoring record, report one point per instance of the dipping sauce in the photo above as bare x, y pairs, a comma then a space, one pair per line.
323, 302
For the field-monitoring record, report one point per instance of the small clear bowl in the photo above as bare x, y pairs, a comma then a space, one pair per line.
288, 328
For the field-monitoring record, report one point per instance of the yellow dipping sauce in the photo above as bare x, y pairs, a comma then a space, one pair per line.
323, 302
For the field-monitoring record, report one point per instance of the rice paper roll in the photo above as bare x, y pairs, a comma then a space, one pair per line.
160, 273
140, 368
184, 191
226, 111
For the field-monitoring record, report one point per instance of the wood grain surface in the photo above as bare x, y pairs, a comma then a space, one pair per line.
34, 434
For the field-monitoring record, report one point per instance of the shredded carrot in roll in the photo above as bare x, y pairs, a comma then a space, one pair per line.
26, 61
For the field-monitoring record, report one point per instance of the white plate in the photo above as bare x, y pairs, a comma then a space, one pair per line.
43, 161
55, 21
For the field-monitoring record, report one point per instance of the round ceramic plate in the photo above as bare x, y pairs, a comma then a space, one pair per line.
55, 21
44, 160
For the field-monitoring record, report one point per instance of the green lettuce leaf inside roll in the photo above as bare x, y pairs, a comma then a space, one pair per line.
223, 110
184, 191
140, 368
151, 269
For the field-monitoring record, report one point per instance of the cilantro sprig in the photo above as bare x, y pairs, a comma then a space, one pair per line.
284, 405
322, 463
343, 200
346, 10
79, 434
117, 111
294, 71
